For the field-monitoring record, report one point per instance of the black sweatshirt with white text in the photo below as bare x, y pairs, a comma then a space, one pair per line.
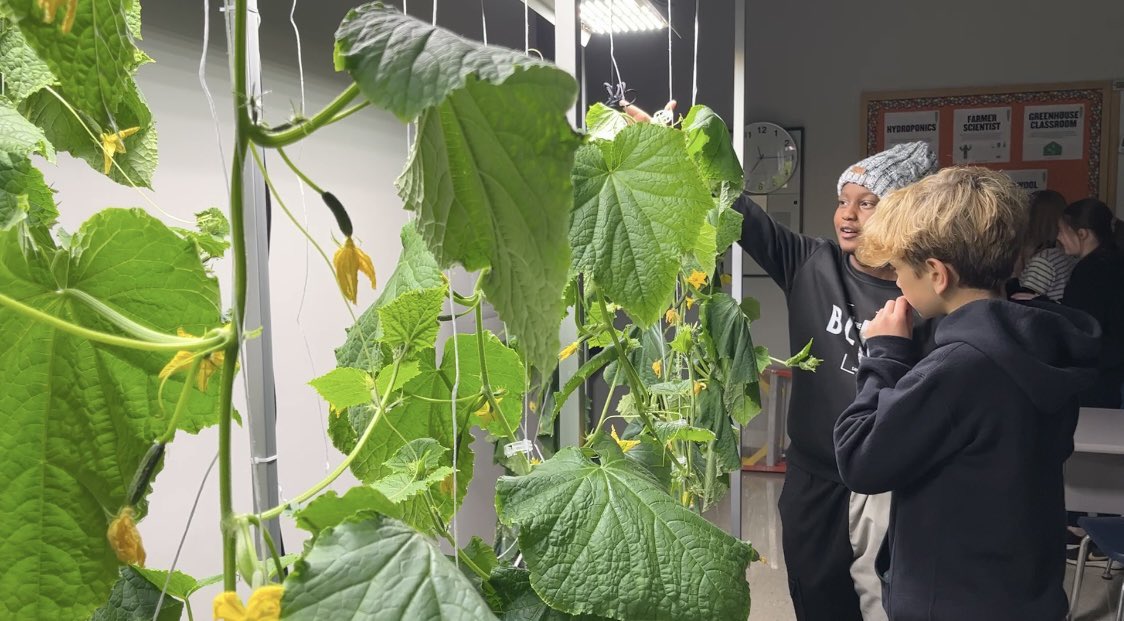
971, 441
819, 280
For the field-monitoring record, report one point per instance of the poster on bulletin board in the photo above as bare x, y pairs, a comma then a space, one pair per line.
1058, 136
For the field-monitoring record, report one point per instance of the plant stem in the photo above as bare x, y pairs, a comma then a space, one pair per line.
522, 466
350, 111
172, 344
292, 218
269, 543
334, 474
604, 411
273, 139
238, 255
635, 383
297, 171
128, 325
181, 403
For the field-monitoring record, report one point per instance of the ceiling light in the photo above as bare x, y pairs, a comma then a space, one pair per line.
601, 16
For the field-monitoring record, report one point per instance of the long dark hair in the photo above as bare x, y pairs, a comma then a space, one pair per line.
1046, 208
1095, 216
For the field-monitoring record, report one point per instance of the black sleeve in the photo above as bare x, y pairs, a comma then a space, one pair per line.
775, 248
900, 424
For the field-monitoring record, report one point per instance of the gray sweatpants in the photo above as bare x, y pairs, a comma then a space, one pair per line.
868, 520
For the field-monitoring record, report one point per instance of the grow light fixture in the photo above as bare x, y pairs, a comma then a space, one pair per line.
619, 16
598, 16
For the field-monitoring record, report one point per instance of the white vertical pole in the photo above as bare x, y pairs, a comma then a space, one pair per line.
736, 251
257, 353
566, 56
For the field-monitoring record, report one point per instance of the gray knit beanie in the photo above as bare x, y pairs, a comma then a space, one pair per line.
892, 169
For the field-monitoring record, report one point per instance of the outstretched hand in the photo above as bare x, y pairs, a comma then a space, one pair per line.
639, 115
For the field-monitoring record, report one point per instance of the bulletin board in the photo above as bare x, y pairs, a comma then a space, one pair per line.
1057, 136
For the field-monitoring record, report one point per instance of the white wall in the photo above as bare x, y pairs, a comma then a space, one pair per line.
357, 160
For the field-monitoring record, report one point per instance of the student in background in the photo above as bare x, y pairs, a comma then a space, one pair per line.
1045, 268
1089, 232
970, 438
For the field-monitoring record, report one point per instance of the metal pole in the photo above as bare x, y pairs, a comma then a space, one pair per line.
567, 46
257, 353
736, 251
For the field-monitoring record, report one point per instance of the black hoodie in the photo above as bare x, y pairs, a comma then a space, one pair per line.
971, 440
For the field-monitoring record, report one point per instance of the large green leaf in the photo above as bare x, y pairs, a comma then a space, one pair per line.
521, 603
603, 122
710, 146
728, 328
65, 131
19, 182
20, 136
490, 171
639, 207
417, 269
410, 320
505, 372
23, 72
95, 61
80, 416
380, 570
413, 419
344, 387
414, 469
583, 526
134, 598
330, 509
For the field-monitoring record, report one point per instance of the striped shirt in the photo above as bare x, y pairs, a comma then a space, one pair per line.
1047, 272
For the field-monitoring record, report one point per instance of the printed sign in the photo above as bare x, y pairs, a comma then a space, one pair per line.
982, 136
899, 127
1029, 180
1054, 132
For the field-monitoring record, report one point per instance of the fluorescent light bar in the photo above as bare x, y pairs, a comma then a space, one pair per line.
620, 16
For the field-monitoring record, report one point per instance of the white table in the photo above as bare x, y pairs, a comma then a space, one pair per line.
1094, 475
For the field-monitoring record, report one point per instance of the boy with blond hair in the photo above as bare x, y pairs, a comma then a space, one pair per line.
971, 438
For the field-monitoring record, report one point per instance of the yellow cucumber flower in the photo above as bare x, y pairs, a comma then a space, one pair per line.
349, 261
697, 279
264, 605
209, 364
626, 445
568, 351
698, 387
485, 413
690, 302
125, 539
51, 7
657, 368
112, 144
671, 316
726, 280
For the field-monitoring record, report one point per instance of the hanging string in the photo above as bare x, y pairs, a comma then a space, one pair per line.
670, 73
484, 21
183, 537
695, 60
434, 12
453, 400
612, 46
207, 92
526, 28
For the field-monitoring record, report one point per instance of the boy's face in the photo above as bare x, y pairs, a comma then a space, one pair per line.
919, 286
856, 204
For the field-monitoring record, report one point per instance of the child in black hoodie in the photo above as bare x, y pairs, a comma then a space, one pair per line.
970, 439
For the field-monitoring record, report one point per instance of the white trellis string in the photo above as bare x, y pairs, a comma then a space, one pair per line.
484, 21
183, 537
695, 60
526, 28
453, 402
670, 72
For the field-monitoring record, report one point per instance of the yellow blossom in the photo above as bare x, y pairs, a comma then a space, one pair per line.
208, 365
690, 302
485, 413
51, 7
125, 539
535, 461
697, 279
699, 387
657, 368
264, 605
626, 445
446, 485
533, 406
349, 261
112, 144
568, 351
671, 316
726, 280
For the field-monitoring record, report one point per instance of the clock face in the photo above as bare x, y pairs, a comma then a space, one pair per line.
771, 156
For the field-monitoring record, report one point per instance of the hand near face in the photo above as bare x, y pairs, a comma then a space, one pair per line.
894, 319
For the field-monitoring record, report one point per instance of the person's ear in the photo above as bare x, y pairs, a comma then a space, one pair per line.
940, 275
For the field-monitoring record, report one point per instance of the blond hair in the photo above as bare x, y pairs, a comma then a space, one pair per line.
970, 218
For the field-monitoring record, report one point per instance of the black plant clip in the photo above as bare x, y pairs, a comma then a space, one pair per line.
620, 96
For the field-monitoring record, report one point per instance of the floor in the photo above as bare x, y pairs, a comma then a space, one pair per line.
769, 587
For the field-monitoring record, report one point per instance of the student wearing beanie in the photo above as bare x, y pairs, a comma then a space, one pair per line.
831, 536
